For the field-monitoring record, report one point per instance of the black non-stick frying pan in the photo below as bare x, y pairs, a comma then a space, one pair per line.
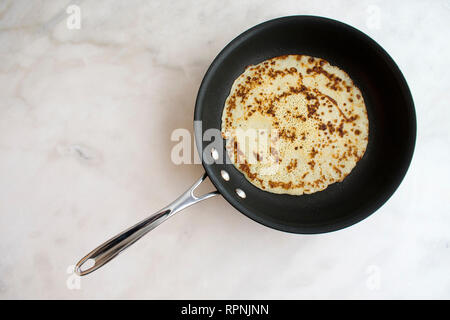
392, 133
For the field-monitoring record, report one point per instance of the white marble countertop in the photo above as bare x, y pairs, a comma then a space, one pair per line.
85, 122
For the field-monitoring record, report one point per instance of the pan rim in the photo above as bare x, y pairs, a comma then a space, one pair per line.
347, 220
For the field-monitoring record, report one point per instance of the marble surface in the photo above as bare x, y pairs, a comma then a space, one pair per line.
86, 116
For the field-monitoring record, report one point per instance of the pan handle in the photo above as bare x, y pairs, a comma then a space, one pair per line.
111, 248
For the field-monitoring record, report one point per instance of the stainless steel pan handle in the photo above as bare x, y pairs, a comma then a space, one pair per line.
111, 248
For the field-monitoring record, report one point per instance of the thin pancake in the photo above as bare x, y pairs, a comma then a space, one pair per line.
295, 124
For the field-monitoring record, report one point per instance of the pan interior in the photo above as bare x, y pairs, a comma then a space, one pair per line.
389, 106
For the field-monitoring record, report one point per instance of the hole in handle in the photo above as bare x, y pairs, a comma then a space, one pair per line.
85, 266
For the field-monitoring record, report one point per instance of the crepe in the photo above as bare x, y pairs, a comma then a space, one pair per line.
295, 124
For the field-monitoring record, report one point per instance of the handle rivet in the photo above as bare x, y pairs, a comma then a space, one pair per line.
241, 193
215, 154
225, 175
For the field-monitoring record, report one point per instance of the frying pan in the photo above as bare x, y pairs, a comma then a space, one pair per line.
392, 134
